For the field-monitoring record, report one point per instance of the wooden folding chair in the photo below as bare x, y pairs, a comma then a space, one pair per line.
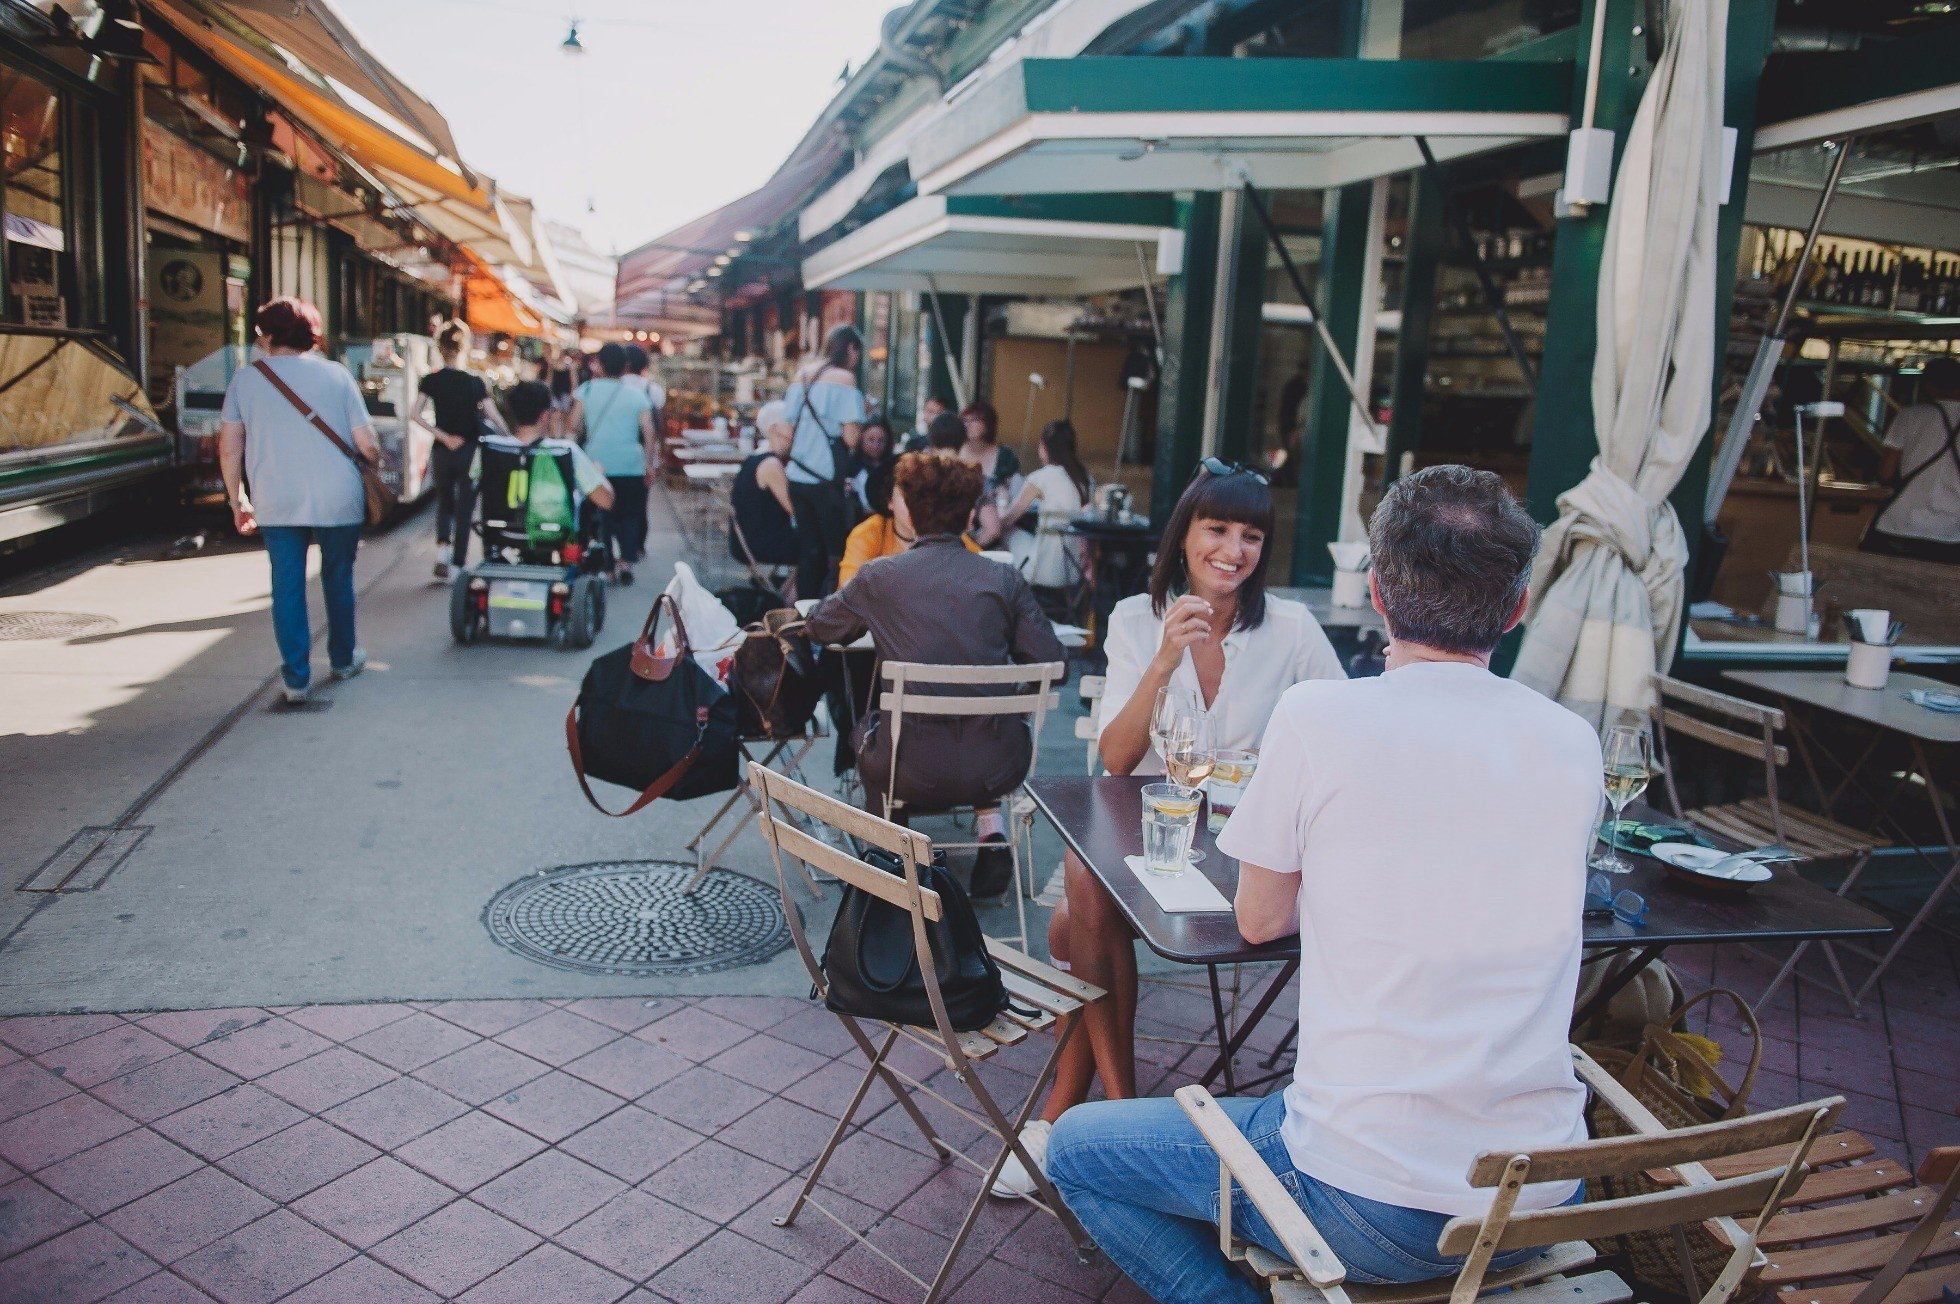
1749, 729
1859, 1230
1312, 1272
796, 748
1031, 985
915, 688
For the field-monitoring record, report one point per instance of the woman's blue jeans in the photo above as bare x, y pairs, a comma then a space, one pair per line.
1145, 1185
285, 547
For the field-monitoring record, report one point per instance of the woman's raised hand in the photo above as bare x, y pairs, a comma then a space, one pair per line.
1186, 622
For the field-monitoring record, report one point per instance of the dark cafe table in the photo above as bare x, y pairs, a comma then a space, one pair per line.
1101, 820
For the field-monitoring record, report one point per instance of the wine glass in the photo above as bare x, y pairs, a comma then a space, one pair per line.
1191, 756
1171, 706
1628, 765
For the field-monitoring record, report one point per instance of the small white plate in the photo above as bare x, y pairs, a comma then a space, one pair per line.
1695, 858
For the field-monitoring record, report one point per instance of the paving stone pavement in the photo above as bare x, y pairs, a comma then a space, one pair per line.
627, 1148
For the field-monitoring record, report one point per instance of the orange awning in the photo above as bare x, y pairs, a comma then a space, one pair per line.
489, 304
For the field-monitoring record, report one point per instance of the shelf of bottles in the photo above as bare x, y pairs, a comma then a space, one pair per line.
1862, 278
1468, 357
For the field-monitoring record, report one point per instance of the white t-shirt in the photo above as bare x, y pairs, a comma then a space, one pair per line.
296, 474
1929, 507
1260, 664
1047, 560
1439, 817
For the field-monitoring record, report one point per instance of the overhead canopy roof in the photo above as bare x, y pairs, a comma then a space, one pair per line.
315, 33
455, 205
1113, 124
1809, 98
981, 246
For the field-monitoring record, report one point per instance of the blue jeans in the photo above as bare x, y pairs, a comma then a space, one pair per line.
1145, 1185
285, 546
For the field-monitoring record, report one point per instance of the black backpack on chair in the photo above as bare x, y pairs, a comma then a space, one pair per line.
871, 961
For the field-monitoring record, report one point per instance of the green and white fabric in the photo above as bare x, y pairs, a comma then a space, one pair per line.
1607, 588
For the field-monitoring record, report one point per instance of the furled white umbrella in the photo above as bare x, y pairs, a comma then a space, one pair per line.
1607, 588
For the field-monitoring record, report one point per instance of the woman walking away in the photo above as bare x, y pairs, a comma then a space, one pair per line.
616, 421
305, 489
825, 405
462, 404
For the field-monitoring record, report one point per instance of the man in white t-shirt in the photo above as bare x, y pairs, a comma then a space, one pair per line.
1425, 832
1922, 451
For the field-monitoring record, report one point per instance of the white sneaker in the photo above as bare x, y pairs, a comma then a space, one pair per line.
1014, 1181
296, 696
354, 667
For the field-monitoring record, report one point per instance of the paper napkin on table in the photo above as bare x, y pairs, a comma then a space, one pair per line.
1179, 894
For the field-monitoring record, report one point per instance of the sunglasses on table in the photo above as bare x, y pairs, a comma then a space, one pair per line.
1218, 468
1625, 905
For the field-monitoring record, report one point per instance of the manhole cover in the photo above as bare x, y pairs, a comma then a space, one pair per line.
632, 917
17, 626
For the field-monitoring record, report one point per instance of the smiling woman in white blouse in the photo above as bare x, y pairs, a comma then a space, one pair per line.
1207, 626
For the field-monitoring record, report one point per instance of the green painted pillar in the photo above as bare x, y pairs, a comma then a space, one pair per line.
946, 349
1422, 250
1751, 23
1187, 341
1563, 441
1238, 372
1324, 438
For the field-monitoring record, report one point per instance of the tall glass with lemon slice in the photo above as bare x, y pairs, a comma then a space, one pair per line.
1170, 817
1231, 771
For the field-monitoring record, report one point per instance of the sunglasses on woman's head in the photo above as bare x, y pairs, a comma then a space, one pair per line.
1218, 468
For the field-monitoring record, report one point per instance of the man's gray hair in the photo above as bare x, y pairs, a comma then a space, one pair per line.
1452, 554
771, 415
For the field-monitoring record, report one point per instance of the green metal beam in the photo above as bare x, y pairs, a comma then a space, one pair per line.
1563, 440
1239, 367
1187, 327
1117, 84
1129, 210
1423, 255
1324, 437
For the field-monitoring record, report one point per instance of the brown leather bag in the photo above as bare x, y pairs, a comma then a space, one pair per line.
774, 676
381, 500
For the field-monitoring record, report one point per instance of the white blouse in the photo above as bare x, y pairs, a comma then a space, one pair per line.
1260, 664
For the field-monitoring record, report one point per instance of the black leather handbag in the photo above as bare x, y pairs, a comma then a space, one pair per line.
871, 964
658, 724
774, 678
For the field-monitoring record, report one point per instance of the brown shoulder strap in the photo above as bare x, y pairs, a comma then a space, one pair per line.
655, 790
319, 424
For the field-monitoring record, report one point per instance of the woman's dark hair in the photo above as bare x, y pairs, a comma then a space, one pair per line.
989, 419
289, 323
837, 347
878, 486
452, 339
612, 360
1236, 497
637, 359
529, 400
939, 490
1058, 441
945, 433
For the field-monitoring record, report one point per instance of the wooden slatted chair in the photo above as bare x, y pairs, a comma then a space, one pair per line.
1312, 1274
916, 689
1052, 995
1860, 1230
1749, 729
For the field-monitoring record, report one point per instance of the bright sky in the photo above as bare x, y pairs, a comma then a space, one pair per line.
673, 110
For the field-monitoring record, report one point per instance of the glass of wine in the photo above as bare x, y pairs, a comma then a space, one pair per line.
1628, 764
1172, 705
1191, 756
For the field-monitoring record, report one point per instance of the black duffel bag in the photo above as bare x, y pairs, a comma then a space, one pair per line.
871, 964
659, 725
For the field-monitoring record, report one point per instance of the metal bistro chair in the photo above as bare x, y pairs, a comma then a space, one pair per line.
1031, 985
1315, 1276
1749, 729
902, 698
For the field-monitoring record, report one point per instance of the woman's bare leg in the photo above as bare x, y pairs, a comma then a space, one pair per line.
1076, 1067
1102, 952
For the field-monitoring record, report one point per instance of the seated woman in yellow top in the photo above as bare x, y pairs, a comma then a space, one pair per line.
885, 533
